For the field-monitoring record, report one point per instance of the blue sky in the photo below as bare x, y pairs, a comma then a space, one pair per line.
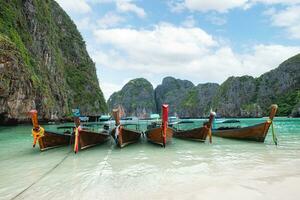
198, 40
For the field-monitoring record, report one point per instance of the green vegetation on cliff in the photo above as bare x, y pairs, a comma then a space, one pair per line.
174, 92
61, 73
243, 96
289, 101
136, 97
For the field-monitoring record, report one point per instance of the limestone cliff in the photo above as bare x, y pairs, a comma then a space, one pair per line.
281, 86
236, 97
44, 63
199, 100
172, 91
244, 96
136, 97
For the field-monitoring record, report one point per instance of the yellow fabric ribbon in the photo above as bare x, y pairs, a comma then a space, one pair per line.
37, 134
76, 140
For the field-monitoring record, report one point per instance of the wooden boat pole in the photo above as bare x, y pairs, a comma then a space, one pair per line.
165, 110
211, 118
77, 125
116, 114
34, 118
274, 108
37, 131
209, 125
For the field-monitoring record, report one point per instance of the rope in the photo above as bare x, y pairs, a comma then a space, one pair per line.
273, 134
43, 176
102, 168
105, 160
117, 134
210, 135
76, 142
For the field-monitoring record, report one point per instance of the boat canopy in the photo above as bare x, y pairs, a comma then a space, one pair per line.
133, 118
104, 117
154, 116
84, 118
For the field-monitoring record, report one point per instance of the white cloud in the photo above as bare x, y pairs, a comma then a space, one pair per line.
288, 19
128, 6
100, 1
176, 6
222, 6
216, 19
110, 20
163, 46
283, 2
109, 88
217, 5
189, 22
188, 53
82, 6
263, 58
84, 24
72, 6
269, 11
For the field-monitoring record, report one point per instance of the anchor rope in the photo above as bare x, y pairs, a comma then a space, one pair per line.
43, 176
210, 135
117, 133
273, 134
105, 161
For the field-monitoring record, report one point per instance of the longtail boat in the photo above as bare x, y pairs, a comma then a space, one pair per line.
198, 134
256, 132
47, 139
122, 134
163, 134
85, 138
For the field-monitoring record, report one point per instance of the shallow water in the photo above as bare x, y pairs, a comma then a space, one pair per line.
226, 169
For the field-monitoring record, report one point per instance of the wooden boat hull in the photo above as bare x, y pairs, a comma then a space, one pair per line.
155, 135
126, 136
89, 138
256, 133
52, 140
198, 134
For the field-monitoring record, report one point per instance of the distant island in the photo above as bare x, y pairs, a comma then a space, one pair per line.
243, 96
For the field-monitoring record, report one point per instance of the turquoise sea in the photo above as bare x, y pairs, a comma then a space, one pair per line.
225, 169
